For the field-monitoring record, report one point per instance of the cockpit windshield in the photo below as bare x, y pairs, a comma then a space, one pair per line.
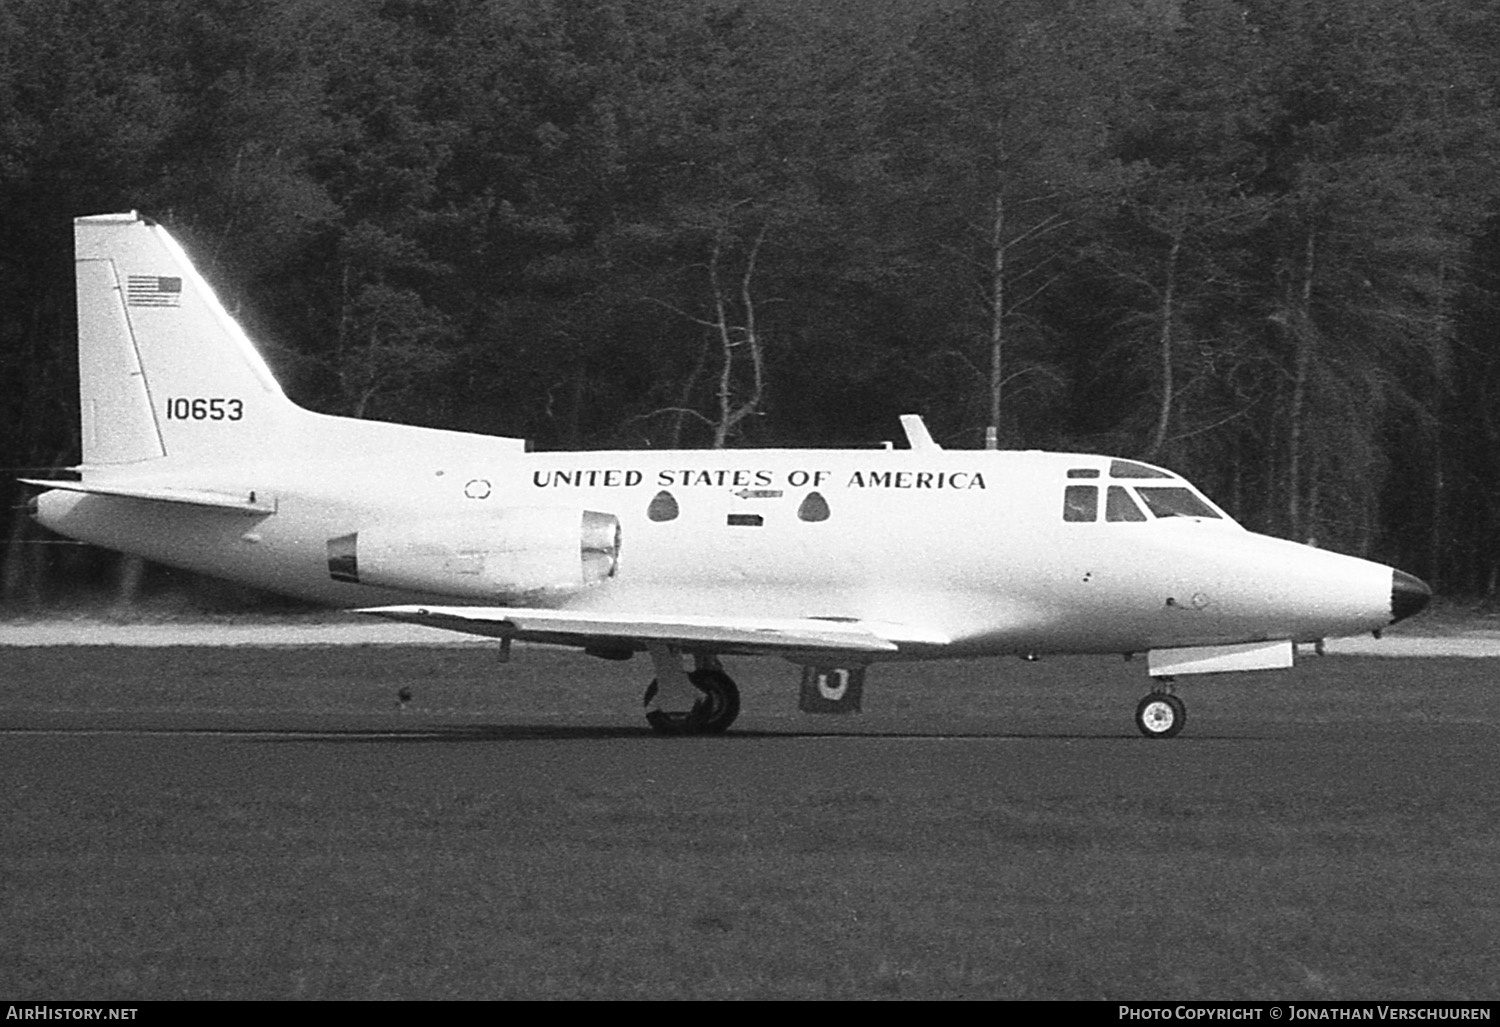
1170, 501
1131, 469
1120, 507
1132, 502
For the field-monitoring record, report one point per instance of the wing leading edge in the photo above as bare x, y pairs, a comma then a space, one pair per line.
723, 634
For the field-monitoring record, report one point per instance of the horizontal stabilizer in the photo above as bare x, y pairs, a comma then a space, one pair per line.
241, 502
585, 628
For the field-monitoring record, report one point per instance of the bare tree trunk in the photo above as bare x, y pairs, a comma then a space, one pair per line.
1270, 501
1304, 337
1314, 495
730, 338
681, 413
341, 341
25, 560
997, 321
1168, 384
1435, 529
14, 577
1237, 483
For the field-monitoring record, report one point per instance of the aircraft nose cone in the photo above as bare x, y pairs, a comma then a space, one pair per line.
1409, 595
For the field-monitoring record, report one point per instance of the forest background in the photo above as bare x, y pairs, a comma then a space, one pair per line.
1256, 241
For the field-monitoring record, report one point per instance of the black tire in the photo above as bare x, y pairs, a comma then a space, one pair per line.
720, 702
664, 723
1160, 715
711, 715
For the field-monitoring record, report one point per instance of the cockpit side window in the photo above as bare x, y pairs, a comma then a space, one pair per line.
1080, 503
1118, 506
1175, 502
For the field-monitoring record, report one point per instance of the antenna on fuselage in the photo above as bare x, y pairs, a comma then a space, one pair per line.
917, 435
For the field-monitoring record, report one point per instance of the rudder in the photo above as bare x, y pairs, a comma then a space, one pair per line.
165, 374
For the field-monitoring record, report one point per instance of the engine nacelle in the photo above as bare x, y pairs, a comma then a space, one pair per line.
509, 554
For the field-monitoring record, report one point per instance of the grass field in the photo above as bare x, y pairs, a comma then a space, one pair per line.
195, 823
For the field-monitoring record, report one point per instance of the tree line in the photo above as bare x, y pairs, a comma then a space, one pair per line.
1255, 241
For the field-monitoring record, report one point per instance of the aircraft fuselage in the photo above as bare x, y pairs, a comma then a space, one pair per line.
970, 546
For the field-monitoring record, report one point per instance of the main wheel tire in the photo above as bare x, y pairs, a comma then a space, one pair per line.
720, 702
664, 723
712, 714
1160, 715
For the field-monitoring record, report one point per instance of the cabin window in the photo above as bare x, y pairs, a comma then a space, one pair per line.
1175, 502
1083, 472
1118, 506
1080, 503
1131, 469
746, 520
663, 507
813, 508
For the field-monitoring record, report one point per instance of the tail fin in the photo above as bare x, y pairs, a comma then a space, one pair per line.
165, 374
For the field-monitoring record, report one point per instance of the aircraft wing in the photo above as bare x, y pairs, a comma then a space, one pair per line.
723, 634
242, 502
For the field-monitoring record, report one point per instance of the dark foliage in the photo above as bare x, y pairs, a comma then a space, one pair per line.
1254, 240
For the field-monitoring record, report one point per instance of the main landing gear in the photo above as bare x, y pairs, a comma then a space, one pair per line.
1161, 714
703, 702
706, 701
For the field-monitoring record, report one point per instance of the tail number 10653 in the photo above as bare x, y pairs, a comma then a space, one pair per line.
219, 408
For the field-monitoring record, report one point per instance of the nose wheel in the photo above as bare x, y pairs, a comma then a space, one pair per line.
1161, 715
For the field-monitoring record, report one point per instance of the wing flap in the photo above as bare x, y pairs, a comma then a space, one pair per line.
584, 628
241, 502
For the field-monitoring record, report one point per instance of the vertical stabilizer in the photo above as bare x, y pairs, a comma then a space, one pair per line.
164, 372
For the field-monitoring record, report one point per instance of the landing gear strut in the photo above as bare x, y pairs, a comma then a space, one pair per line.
715, 707
1161, 715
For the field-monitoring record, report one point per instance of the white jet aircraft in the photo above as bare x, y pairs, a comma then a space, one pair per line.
833, 559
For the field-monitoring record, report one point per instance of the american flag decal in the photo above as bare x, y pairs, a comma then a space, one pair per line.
153, 291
